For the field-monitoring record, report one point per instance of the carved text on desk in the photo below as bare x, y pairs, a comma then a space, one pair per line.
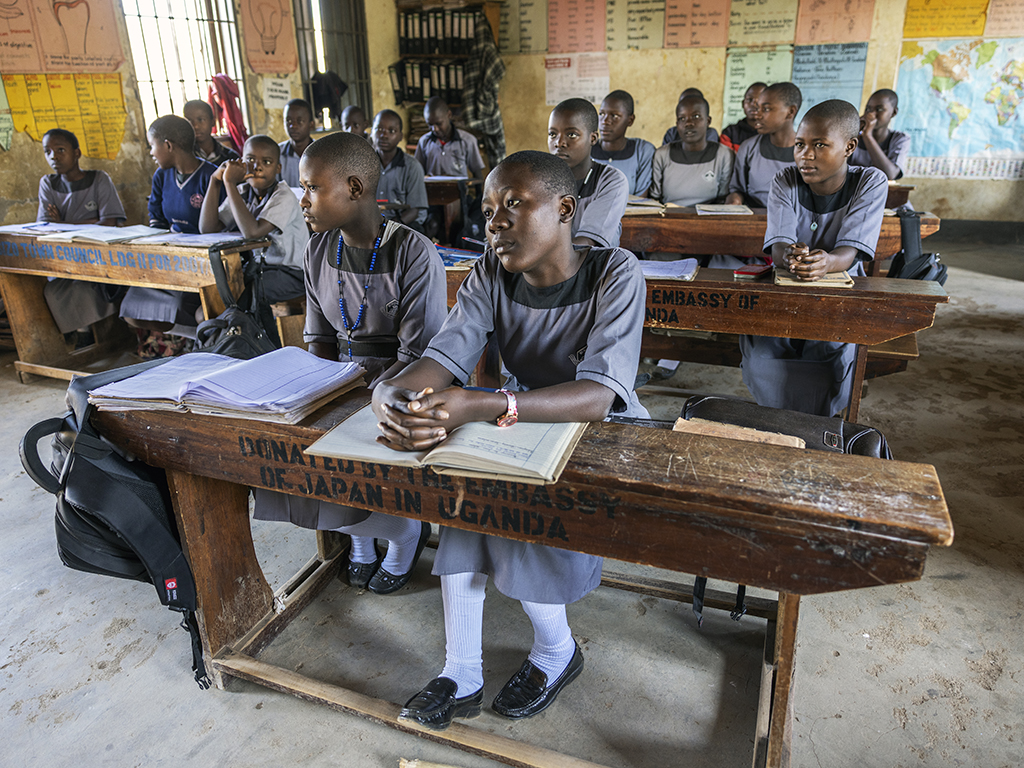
490, 506
681, 297
107, 256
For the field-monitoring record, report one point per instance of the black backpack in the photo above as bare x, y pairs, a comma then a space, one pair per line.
911, 263
113, 515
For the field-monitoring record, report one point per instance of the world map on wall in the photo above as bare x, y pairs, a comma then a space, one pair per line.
962, 99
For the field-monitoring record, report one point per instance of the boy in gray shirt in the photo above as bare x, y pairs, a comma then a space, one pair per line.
879, 146
602, 191
823, 216
763, 156
401, 187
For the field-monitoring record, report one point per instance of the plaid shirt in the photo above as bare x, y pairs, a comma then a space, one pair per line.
480, 110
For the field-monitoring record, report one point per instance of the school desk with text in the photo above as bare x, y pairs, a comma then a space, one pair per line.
794, 521
25, 265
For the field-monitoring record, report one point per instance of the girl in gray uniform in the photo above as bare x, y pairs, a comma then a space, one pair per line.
692, 170
568, 325
823, 216
376, 294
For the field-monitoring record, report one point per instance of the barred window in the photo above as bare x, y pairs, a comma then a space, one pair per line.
178, 46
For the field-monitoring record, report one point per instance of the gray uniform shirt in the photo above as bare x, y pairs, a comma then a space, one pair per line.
757, 162
289, 164
602, 195
406, 301
281, 209
450, 158
634, 160
92, 197
588, 327
402, 182
896, 148
688, 178
814, 376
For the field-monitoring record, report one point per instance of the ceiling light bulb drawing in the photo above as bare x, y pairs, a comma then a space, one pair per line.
73, 18
268, 18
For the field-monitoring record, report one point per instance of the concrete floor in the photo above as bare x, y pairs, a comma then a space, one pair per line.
93, 672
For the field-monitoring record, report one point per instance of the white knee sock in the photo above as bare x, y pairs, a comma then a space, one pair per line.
553, 645
463, 596
401, 533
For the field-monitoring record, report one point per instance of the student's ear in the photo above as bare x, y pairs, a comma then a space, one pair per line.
895, 111
629, 120
595, 137
356, 188
851, 145
567, 208
791, 111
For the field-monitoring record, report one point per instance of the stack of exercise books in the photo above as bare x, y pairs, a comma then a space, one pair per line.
831, 280
283, 386
709, 209
680, 269
527, 452
93, 233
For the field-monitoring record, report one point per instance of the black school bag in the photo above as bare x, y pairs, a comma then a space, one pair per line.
911, 263
113, 515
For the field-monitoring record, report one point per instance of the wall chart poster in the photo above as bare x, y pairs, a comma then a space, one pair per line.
697, 23
754, 22
834, 71
944, 18
743, 66
834, 21
90, 106
635, 24
572, 75
576, 25
961, 104
269, 32
59, 36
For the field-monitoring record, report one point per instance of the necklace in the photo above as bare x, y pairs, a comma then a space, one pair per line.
349, 328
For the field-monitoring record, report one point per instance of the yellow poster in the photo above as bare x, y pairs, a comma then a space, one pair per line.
945, 18
90, 106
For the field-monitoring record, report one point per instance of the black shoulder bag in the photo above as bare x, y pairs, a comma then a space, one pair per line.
911, 263
113, 515
238, 332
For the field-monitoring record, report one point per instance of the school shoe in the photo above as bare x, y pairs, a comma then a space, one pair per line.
359, 574
528, 692
384, 582
436, 705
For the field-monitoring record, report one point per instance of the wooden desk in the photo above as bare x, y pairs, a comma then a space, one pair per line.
875, 310
801, 522
683, 231
446, 193
25, 265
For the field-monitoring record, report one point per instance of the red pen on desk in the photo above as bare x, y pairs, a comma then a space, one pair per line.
475, 242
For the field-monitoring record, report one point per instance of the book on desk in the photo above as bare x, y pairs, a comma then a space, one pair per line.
527, 452
282, 386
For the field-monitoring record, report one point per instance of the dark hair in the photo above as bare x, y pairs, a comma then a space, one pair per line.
696, 100
579, 108
839, 114
174, 129
292, 103
347, 154
60, 133
788, 94
625, 97
889, 94
262, 140
436, 104
551, 171
389, 113
353, 109
690, 92
758, 84
198, 104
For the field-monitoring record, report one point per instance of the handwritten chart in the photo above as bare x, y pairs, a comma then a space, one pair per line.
945, 18
576, 75
59, 36
834, 21
834, 71
697, 23
1005, 19
6, 121
752, 22
90, 106
743, 66
576, 25
634, 24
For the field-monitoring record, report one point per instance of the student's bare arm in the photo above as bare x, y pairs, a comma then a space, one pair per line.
809, 265
408, 214
878, 157
734, 198
209, 221
248, 225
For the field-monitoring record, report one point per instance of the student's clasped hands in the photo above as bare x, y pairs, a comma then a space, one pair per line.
804, 263
416, 421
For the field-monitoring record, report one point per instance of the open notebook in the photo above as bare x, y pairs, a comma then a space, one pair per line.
527, 452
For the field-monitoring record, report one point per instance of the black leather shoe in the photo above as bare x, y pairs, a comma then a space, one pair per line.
528, 692
384, 582
436, 706
359, 574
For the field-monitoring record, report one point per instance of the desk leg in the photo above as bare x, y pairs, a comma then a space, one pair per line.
772, 748
36, 336
209, 296
860, 364
213, 521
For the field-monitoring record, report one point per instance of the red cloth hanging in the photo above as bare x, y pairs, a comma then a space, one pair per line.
223, 98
